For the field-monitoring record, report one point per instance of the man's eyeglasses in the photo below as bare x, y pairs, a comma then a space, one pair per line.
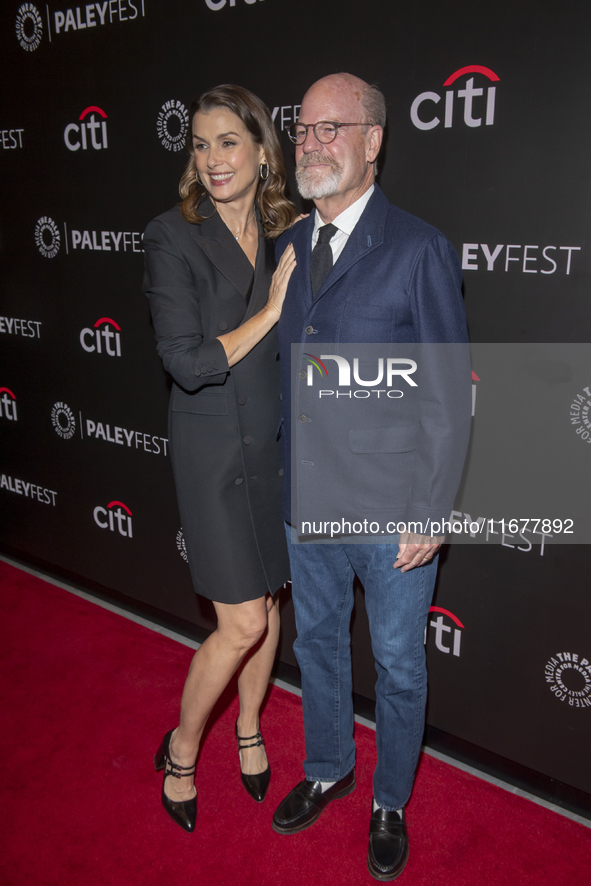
325, 131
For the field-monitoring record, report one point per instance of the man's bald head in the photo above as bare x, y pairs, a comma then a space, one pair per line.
361, 96
337, 172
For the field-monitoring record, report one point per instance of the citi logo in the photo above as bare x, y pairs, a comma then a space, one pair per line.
91, 132
47, 237
477, 100
29, 27
7, 404
101, 338
116, 517
171, 125
452, 633
216, 5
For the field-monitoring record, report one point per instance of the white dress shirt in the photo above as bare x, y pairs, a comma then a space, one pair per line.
345, 222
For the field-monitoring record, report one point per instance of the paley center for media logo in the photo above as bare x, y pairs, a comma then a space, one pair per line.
172, 124
569, 677
116, 517
64, 424
29, 27
89, 132
478, 101
393, 368
579, 414
181, 545
29, 24
48, 239
63, 421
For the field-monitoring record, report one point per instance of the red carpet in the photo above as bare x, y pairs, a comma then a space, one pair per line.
87, 696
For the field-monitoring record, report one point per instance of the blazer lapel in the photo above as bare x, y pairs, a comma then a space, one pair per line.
263, 271
302, 242
366, 236
217, 242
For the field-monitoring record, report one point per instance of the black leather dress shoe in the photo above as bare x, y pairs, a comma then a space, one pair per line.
256, 785
183, 812
387, 852
303, 805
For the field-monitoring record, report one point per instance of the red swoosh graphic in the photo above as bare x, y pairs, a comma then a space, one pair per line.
92, 108
125, 508
474, 376
447, 612
8, 391
107, 320
471, 69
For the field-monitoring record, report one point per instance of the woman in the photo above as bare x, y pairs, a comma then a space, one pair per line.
215, 302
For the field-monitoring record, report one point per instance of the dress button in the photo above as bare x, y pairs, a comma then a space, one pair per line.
222, 325
281, 472
247, 439
238, 481
281, 396
303, 373
278, 356
241, 400
302, 418
309, 330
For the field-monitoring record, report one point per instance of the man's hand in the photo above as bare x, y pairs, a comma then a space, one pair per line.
415, 550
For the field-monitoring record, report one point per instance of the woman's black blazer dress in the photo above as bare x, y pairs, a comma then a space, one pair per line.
222, 422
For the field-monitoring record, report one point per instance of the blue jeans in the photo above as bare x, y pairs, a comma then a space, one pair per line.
397, 605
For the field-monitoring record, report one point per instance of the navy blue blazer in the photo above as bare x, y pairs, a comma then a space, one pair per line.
397, 281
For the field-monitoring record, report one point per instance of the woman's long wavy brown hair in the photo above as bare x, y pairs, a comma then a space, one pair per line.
277, 212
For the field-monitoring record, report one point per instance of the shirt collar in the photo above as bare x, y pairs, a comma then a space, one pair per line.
347, 220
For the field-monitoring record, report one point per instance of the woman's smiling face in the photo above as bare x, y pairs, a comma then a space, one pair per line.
226, 156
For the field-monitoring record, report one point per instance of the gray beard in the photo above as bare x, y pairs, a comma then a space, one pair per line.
315, 184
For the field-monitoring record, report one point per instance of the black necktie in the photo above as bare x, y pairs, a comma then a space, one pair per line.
321, 261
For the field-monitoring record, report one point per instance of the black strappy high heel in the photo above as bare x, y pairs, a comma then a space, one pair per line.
184, 812
255, 785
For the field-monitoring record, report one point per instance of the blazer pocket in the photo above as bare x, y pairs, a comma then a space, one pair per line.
200, 403
382, 467
401, 438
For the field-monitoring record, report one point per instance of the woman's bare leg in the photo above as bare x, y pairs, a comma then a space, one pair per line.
240, 626
253, 681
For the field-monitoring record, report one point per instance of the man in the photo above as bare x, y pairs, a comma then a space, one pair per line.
366, 272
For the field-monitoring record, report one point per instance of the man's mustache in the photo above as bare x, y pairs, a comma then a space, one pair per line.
317, 157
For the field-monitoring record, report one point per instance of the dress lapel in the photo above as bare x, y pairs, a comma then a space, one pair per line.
263, 271
218, 243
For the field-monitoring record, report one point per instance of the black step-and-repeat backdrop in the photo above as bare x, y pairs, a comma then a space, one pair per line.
488, 139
